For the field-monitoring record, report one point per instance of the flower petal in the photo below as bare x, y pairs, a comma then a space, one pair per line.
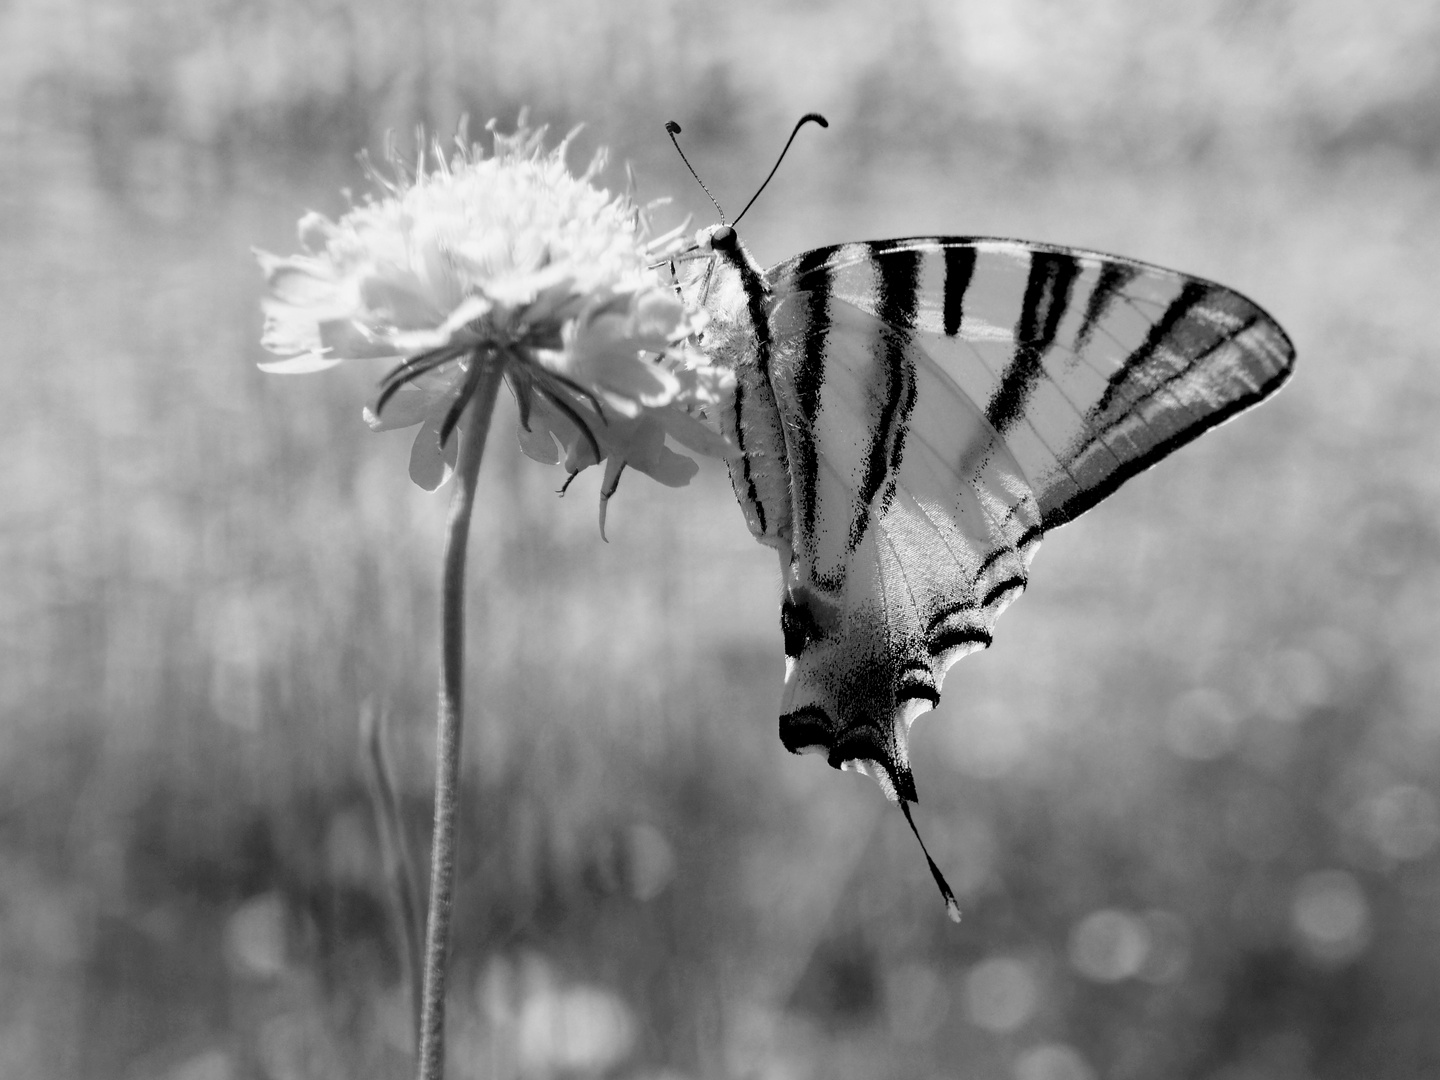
399, 298
346, 339
301, 280
304, 364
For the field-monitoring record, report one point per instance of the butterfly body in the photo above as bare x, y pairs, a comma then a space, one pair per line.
911, 416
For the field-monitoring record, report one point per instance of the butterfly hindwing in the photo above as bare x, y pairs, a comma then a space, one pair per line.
913, 528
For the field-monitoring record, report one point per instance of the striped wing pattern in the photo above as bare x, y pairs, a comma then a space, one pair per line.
913, 527
943, 402
1091, 366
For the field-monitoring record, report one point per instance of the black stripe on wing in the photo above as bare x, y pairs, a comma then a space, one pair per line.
1201, 320
955, 637
891, 388
1032, 535
940, 638
809, 381
916, 683
756, 300
1176, 329
959, 269
896, 295
1181, 346
1003, 590
1047, 295
1114, 276
1083, 500
970, 622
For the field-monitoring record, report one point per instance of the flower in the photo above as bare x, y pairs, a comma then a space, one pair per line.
504, 260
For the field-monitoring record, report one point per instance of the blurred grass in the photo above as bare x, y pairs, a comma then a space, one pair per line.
1189, 797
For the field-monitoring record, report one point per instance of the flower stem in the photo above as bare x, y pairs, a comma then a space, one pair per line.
475, 426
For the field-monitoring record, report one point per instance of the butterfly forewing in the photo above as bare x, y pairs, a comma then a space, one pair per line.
1091, 367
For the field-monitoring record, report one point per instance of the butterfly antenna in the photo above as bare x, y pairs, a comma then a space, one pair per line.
673, 129
952, 907
807, 118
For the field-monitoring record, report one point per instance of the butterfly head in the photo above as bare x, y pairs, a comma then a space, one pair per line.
722, 237
717, 238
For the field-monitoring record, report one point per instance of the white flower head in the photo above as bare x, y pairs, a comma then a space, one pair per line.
507, 259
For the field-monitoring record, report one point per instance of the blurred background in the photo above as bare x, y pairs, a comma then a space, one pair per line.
1188, 799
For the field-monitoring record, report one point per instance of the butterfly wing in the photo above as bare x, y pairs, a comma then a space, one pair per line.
943, 401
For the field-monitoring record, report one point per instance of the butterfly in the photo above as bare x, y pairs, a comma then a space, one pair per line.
911, 416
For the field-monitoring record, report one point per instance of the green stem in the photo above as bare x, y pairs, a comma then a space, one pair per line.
475, 425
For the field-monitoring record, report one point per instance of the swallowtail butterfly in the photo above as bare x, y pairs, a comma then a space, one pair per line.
911, 416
